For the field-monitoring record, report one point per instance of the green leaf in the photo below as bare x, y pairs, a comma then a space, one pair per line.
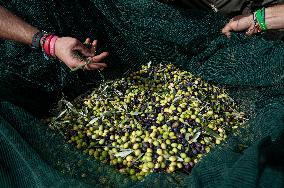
149, 64
135, 113
212, 133
61, 114
125, 106
93, 120
124, 153
179, 159
124, 121
195, 137
176, 99
187, 136
185, 123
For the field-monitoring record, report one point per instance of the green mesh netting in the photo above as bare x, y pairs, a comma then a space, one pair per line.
136, 32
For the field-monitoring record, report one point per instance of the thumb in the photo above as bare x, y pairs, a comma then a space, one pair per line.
250, 31
83, 50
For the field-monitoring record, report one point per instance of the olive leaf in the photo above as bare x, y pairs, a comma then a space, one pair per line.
138, 157
212, 133
135, 113
196, 129
104, 89
61, 114
149, 64
119, 93
195, 137
93, 120
124, 153
67, 103
66, 121
179, 159
86, 110
70, 106
187, 135
107, 113
177, 98
124, 121
125, 106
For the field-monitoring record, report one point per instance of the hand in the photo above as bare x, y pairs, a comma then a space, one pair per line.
66, 46
240, 23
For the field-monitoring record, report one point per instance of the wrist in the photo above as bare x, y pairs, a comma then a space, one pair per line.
269, 17
47, 44
36, 40
274, 17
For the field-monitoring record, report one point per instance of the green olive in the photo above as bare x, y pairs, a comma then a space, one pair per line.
163, 146
159, 151
172, 158
135, 146
183, 155
129, 158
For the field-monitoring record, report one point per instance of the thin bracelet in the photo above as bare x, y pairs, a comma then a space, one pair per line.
256, 24
52, 46
37, 39
46, 45
260, 16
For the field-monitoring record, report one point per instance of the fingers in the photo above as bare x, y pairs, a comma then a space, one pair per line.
87, 41
227, 29
94, 47
100, 57
95, 43
83, 50
96, 60
239, 23
95, 66
90, 54
91, 45
251, 31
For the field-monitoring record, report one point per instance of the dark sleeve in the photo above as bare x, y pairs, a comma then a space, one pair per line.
228, 7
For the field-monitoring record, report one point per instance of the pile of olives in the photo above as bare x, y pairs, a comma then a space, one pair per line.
158, 119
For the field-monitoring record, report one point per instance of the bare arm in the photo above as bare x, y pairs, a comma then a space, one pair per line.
274, 18
14, 28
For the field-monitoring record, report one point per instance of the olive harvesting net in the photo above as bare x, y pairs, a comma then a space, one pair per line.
34, 153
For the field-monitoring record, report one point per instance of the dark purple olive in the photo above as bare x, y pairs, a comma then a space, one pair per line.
189, 84
194, 151
119, 166
184, 142
156, 156
180, 136
156, 170
176, 130
134, 163
167, 162
169, 123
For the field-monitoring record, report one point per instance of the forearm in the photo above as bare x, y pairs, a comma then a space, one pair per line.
274, 17
14, 28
